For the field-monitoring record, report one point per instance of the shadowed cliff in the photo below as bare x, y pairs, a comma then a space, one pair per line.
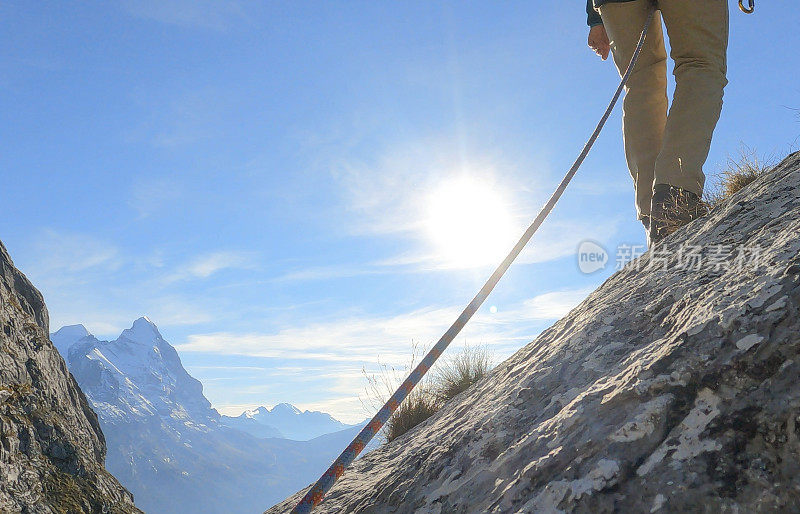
51, 446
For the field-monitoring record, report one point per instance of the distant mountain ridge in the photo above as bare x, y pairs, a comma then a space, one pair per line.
171, 448
287, 421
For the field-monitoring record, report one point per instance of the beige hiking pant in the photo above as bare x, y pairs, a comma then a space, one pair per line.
670, 148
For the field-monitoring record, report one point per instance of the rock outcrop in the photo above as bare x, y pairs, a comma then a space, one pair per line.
51, 446
674, 387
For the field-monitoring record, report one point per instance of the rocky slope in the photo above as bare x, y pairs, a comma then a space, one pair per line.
672, 388
51, 446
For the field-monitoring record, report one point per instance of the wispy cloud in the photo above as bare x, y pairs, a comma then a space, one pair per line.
348, 409
203, 266
229, 368
389, 194
89, 280
327, 359
107, 312
148, 197
548, 306
560, 238
177, 310
207, 265
555, 241
176, 119
342, 395
328, 273
362, 339
69, 252
352, 339
216, 15
235, 409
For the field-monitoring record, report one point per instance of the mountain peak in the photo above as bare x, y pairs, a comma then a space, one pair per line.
78, 331
253, 413
144, 321
142, 331
285, 408
66, 336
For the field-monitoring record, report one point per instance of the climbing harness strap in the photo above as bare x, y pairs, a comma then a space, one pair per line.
317, 492
751, 6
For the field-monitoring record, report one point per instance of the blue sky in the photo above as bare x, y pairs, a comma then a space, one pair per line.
280, 185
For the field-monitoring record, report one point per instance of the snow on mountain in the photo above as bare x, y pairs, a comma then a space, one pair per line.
136, 376
251, 426
288, 420
66, 336
171, 449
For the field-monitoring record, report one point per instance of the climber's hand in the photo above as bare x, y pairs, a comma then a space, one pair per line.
598, 41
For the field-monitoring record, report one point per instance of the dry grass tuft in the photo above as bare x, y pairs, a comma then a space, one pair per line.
415, 409
446, 380
738, 174
458, 373
681, 213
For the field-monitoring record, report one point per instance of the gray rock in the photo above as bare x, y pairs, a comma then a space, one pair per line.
667, 390
51, 446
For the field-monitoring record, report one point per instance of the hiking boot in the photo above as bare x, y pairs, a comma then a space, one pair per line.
671, 209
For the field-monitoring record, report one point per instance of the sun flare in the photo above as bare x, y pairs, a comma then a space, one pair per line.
469, 223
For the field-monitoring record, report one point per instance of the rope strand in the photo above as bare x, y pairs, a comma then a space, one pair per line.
317, 492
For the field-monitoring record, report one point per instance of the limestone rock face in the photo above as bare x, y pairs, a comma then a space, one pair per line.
674, 387
51, 446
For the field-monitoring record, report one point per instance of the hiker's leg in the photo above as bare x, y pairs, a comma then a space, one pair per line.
698, 36
645, 106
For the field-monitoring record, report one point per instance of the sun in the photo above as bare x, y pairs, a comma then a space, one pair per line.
469, 222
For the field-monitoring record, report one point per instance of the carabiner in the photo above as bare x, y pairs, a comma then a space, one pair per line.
748, 10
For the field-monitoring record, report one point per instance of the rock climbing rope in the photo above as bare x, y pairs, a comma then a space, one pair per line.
316, 493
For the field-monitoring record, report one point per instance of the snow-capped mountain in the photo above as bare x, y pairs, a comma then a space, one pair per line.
66, 336
169, 447
288, 421
135, 377
251, 426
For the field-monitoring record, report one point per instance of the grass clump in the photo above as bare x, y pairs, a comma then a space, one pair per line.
453, 376
739, 173
415, 409
456, 374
